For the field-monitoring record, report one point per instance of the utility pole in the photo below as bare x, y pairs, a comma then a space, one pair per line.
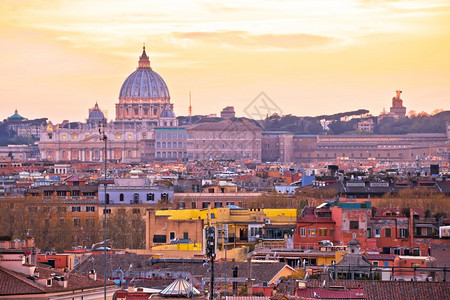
102, 132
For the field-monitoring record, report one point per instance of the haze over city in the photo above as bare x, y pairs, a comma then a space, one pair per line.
311, 57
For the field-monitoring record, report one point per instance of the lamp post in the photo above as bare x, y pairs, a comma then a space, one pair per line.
211, 254
102, 132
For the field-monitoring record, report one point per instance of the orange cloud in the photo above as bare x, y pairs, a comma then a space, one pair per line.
245, 39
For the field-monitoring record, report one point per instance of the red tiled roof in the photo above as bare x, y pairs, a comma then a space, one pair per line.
380, 256
12, 283
394, 290
332, 293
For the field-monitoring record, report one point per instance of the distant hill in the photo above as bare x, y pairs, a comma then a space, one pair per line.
415, 124
421, 123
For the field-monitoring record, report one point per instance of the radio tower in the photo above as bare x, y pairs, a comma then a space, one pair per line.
190, 106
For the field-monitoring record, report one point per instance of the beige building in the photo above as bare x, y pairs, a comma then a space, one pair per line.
227, 139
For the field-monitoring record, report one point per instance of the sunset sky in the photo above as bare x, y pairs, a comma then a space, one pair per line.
58, 57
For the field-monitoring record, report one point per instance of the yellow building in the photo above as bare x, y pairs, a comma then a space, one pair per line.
234, 226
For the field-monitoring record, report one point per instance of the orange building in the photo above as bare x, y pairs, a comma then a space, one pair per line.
313, 225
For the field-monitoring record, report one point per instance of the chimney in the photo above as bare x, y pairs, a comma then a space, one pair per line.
62, 282
92, 275
249, 280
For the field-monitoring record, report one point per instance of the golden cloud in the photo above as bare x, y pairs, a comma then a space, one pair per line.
244, 39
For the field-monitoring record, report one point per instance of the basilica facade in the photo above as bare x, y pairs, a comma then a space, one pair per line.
144, 108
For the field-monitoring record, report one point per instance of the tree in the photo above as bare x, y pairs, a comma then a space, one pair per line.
126, 228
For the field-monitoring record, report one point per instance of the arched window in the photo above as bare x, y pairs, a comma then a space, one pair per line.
121, 198
136, 198
107, 198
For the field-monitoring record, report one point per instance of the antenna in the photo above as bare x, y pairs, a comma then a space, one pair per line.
190, 106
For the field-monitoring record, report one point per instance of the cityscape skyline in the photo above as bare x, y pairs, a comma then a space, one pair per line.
69, 56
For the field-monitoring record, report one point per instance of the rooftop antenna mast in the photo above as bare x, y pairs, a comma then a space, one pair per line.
190, 106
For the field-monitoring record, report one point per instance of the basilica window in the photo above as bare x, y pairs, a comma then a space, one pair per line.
63, 136
129, 136
117, 136
74, 137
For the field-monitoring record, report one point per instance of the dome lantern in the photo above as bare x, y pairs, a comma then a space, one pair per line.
144, 61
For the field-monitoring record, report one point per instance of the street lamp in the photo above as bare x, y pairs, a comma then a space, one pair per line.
101, 130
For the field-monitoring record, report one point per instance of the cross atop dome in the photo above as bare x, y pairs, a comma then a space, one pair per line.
144, 61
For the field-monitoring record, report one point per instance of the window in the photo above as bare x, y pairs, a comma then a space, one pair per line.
377, 232
312, 232
218, 204
193, 204
416, 252
354, 224
387, 232
121, 197
403, 232
369, 233
205, 205
108, 211
136, 211
164, 197
375, 263
323, 232
90, 208
385, 264
76, 222
136, 198
185, 235
76, 208
90, 222
159, 238
172, 235
61, 209
397, 251
303, 231
150, 197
